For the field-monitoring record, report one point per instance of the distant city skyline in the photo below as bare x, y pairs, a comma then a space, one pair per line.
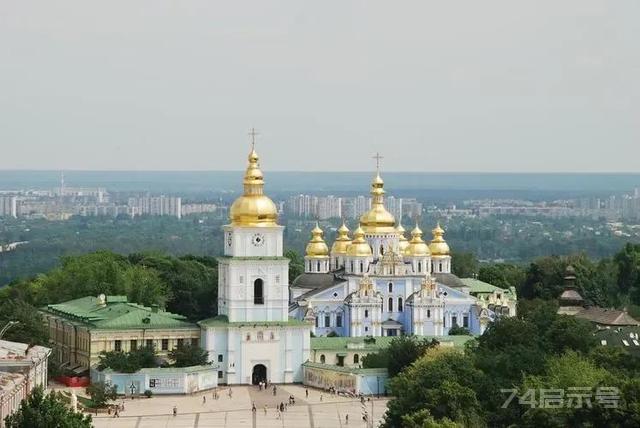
495, 86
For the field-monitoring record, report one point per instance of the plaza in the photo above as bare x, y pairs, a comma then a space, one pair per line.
319, 410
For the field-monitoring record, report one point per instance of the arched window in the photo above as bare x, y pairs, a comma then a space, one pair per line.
356, 359
366, 313
322, 359
381, 250
351, 265
258, 292
428, 313
390, 288
309, 266
440, 266
419, 266
390, 304
399, 304
318, 266
361, 267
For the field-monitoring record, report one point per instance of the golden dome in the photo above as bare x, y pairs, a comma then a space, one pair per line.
342, 240
253, 208
359, 246
417, 247
403, 244
316, 246
438, 246
377, 219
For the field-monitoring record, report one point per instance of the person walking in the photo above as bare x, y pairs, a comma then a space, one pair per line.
175, 411
265, 410
306, 392
204, 400
346, 419
230, 393
253, 408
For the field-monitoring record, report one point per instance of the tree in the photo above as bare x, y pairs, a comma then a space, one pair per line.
189, 355
30, 329
442, 382
464, 265
128, 362
459, 331
101, 393
423, 419
401, 352
502, 275
296, 265
42, 410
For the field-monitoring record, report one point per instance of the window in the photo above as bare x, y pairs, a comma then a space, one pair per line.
180, 343
309, 266
318, 266
241, 279
361, 267
117, 345
195, 341
149, 343
340, 361
220, 358
219, 374
165, 344
133, 344
419, 266
366, 328
327, 320
465, 321
428, 313
351, 265
366, 313
454, 320
390, 288
339, 320
322, 359
399, 304
356, 359
381, 250
317, 322
440, 266
258, 296
277, 279
390, 304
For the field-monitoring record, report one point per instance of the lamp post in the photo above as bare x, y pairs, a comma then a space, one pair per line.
7, 327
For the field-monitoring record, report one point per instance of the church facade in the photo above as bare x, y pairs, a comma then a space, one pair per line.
379, 283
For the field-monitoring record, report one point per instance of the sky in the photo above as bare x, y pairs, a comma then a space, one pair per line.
459, 86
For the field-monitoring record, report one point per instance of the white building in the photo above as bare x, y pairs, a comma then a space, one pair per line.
253, 339
8, 206
22, 368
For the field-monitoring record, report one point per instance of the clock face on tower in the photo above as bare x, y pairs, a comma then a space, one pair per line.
257, 240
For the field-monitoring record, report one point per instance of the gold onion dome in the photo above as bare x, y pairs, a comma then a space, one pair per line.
377, 219
417, 247
316, 246
438, 246
403, 243
253, 208
359, 246
342, 240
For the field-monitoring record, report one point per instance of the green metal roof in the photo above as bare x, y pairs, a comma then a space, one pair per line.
117, 314
223, 321
616, 336
341, 369
477, 286
381, 342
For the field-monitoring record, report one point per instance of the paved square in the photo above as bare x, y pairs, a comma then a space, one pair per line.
319, 410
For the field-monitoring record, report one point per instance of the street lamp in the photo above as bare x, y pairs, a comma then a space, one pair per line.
7, 327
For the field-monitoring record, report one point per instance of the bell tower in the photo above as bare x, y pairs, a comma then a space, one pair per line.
253, 274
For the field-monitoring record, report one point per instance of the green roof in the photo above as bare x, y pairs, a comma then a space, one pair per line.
477, 286
381, 342
614, 337
223, 321
116, 314
341, 369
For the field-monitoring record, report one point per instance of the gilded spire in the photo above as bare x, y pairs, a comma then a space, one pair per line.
417, 247
253, 208
378, 219
403, 243
438, 245
316, 246
342, 240
359, 246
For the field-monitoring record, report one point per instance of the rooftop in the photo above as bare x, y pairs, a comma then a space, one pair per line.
477, 286
16, 351
381, 342
115, 313
603, 316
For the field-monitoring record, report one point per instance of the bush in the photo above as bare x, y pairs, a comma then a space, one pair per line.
148, 393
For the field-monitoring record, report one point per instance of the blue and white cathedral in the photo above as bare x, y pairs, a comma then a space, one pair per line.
379, 283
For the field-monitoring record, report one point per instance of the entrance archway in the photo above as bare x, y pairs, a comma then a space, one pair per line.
259, 374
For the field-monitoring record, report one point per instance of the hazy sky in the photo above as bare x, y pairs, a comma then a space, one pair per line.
433, 85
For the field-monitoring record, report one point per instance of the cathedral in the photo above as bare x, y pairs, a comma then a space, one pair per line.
376, 283
380, 283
